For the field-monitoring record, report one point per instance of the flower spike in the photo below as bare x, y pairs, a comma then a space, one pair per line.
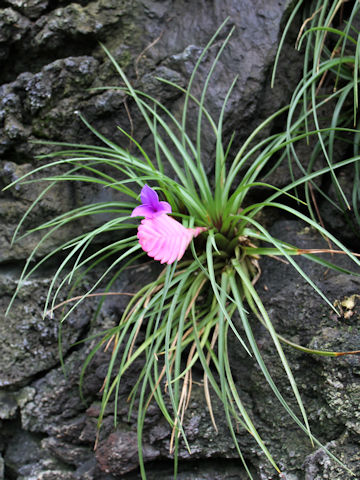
164, 238
160, 236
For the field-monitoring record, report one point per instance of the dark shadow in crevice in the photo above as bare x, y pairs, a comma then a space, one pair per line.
33, 60
206, 469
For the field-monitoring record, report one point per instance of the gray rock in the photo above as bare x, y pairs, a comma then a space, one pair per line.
341, 221
318, 465
119, 453
8, 406
75, 20
54, 403
308, 321
50, 61
67, 452
329, 388
1, 468
30, 341
30, 8
50, 96
40, 101
13, 25
148, 43
14, 205
26, 460
33, 96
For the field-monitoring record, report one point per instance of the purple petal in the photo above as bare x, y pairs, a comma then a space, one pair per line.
143, 211
164, 207
149, 197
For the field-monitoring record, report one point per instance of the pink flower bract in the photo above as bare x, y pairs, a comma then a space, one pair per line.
164, 238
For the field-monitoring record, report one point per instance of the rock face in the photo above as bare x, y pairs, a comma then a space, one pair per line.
30, 339
51, 68
61, 429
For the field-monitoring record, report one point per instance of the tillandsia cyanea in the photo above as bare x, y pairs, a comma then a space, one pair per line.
185, 316
160, 236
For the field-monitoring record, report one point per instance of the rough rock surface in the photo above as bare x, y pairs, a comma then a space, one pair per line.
58, 62
342, 221
62, 429
51, 65
30, 339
